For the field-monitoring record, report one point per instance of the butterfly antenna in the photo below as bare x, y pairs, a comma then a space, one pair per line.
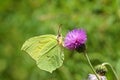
59, 30
59, 33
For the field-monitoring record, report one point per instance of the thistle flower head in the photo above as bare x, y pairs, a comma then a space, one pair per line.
75, 39
93, 77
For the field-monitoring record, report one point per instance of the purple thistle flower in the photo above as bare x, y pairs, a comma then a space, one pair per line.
75, 39
93, 77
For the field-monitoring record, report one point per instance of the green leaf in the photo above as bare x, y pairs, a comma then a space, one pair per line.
46, 51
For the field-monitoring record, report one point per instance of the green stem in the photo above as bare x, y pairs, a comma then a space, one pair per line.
88, 60
112, 70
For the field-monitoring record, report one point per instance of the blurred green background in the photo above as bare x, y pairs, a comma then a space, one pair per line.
22, 19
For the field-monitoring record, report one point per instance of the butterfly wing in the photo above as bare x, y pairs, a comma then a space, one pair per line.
45, 51
52, 59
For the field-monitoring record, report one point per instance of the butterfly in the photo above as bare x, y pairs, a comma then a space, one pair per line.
46, 50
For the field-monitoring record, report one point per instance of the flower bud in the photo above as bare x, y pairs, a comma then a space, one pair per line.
101, 70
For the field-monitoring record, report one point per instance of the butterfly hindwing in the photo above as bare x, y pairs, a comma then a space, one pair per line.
52, 59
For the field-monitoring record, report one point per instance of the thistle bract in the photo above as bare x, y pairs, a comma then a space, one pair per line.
75, 39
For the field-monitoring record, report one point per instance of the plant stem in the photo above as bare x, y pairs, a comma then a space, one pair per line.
88, 60
112, 70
